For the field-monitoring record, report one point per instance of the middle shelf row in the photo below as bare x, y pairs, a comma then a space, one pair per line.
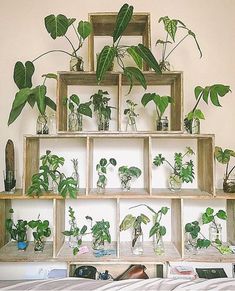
143, 152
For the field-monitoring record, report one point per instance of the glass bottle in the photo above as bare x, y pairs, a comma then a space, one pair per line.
195, 126
101, 186
73, 239
215, 232
162, 124
175, 182
137, 241
76, 64
52, 123
125, 182
190, 244
75, 174
39, 245
103, 122
73, 121
158, 244
131, 123
42, 125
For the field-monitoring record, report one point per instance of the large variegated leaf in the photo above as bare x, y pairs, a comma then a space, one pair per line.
223, 156
23, 74
134, 73
127, 222
21, 98
148, 57
137, 59
105, 59
57, 25
123, 19
84, 29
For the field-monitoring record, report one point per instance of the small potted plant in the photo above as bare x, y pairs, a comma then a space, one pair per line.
171, 26
181, 172
101, 169
100, 233
213, 92
131, 115
17, 231
157, 231
102, 109
135, 223
48, 171
127, 174
77, 110
41, 231
223, 157
75, 234
161, 104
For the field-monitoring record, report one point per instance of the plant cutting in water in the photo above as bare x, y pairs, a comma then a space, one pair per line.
171, 27
57, 26
213, 93
100, 232
223, 157
138, 53
49, 169
126, 174
76, 232
193, 228
41, 230
101, 169
131, 115
182, 171
134, 222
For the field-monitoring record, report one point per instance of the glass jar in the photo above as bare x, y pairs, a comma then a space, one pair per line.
97, 244
158, 244
103, 122
195, 126
229, 185
137, 241
162, 124
131, 123
215, 232
190, 244
42, 125
175, 183
76, 64
125, 182
75, 174
73, 121
39, 245
100, 186
52, 123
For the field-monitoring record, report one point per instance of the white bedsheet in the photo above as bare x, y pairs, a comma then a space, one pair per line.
227, 284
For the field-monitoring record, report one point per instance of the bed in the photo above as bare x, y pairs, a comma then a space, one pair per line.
124, 285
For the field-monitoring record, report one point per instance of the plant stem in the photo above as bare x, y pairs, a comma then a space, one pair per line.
170, 165
60, 51
198, 100
227, 175
176, 45
74, 50
164, 49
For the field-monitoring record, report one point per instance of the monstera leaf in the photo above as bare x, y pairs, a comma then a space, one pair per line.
105, 59
57, 25
123, 19
84, 29
23, 74
68, 186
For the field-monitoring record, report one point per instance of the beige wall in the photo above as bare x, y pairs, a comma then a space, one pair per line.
24, 37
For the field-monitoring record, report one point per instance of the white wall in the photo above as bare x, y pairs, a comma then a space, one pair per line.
24, 37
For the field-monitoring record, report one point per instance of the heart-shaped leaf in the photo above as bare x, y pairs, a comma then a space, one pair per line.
223, 156
23, 74
57, 25
84, 109
123, 19
84, 29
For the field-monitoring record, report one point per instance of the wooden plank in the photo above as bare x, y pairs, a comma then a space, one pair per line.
90, 149
231, 221
206, 172
147, 165
177, 235
177, 106
118, 221
62, 92
31, 160
119, 109
59, 225
91, 59
2, 222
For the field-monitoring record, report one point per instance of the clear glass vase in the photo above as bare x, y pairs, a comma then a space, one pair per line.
229, 185
75, 121
76, 64
158, 244
103, 122
75, 174
190, 244
175, 183
137, 241
192, 126
42, 125
97, 244
162, 124
52, 124
39, 245
131, 123
215, 232
125, 182
101, 185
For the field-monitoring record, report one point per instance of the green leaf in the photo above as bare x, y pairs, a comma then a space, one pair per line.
162, 230
223, 157
40, 96
103, 162
68, 186
171, 28
209, 211
164, 210
105, 59
137, 59
84, 29
83, 230
71, 21
56, 25
127, 222
148, 57
50, 76
154, 229
50, 103
113, 162
221, 214
134, 73
75, 99
18, 104
84, 109
158, 160
123, 19
206, 219
144, 218
33, 223
23, 74
135, 172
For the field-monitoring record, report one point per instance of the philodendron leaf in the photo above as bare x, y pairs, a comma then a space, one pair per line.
170, 26
75, 99
209, 211
206, 218
136, 57
40, 95
113, 162
84, 109
148, 57
105, 59
50, 76
135, 172
127, 222
134, 73
84, 29
103, 162
50, 103
123, 19
56, 25
164, 210
23, 74
223, 157
144, 218
221, 214
21, 98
